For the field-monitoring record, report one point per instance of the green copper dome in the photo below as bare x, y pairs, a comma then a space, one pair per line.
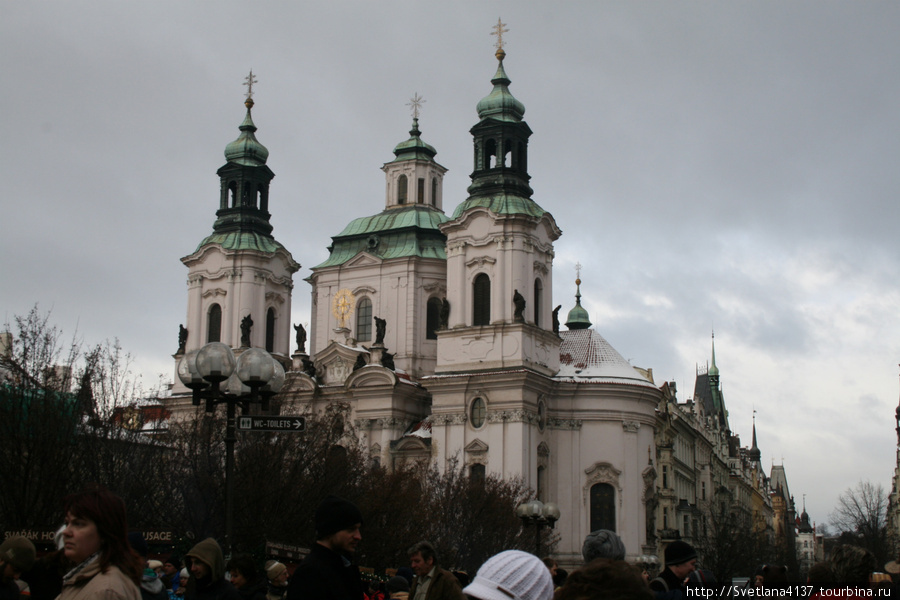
578, 317
246, 149
500, 104
414, 147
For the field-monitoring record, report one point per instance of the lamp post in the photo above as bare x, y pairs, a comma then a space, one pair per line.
535, 512
214, 375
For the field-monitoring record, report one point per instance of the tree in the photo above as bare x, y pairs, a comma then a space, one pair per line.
56, 407
861, 515
729, 542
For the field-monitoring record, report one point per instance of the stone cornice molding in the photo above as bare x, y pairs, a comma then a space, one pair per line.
214, 292
480, 261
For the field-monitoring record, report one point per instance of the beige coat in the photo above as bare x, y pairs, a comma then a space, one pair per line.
91, 584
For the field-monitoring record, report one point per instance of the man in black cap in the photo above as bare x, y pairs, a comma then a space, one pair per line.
16, 556
681, 560
327, 573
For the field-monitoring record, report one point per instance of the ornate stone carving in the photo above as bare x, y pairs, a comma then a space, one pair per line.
564, 423
540, 267
214, 292
449, 418
602, 472
480, 261
630, 426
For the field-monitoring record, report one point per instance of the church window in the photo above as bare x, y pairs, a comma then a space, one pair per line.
603, 507
490, 154
432, 318
507, 148
434, 191
542, 483
477, 474
270, 330
214, 324
477, 412
364, 320
264, 197
536, 302
481, 295
402, 191
420, 191
232, 191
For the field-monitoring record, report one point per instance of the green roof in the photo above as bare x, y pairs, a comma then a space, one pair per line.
410, 231
502, 204
242, 240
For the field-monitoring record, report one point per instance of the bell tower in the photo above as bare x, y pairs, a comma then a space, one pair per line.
500, 250
240, 277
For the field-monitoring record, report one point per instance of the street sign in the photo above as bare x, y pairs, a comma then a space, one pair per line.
272, 423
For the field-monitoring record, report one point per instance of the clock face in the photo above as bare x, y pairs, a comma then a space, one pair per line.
342, 306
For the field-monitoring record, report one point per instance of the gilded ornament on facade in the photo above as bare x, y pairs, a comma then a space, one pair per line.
342, 306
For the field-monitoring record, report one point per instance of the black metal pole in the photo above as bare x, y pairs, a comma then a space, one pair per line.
537, 537
229, 476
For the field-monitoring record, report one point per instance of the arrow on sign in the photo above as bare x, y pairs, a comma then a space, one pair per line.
272, 423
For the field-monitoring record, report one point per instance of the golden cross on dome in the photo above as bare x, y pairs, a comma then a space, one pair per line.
249, 80
416, 103
499, 29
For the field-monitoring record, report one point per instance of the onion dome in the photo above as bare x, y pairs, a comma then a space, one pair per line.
578, 317
246, 149
500, 104
414, 147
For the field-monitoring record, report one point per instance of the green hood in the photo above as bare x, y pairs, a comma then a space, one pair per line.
209, 552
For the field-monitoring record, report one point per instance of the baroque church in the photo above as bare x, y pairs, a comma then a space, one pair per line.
435, 333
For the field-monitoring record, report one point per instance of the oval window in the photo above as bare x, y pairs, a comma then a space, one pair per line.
477, 412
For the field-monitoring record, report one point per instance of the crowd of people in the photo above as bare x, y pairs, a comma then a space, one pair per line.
98, 559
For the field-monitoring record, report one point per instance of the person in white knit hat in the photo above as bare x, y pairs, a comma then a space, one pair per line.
512, 575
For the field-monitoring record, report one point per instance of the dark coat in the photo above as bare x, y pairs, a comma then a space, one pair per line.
325, 575
444, 586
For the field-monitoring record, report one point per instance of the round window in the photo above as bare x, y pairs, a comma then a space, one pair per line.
477, 412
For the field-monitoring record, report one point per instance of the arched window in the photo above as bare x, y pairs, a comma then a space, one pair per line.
270, 330
432, 318
402, 189
232, 189
420, 191
214, 324
507, 150
542, 483
477, 474
536, 302
490, 154
364, 320
477, 413
434, 191
481, 297
264, 197
603, 507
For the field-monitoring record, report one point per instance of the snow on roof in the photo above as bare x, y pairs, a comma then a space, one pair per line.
585, 355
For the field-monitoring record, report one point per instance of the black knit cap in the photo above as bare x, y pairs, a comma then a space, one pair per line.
335, 514
679, 552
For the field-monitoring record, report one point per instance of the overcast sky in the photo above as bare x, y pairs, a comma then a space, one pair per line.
713, 165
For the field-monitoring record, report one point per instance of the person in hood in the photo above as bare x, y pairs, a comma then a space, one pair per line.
207, 580
151, 587
327, 573
95, 540
277, 574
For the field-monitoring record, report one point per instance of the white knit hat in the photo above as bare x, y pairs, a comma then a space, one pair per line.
512, 575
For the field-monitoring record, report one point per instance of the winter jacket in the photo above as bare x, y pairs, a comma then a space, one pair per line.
152, 587
91, 584
325, 575
444, 586
213, 586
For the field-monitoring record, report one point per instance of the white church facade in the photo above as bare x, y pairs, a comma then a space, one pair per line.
435, 333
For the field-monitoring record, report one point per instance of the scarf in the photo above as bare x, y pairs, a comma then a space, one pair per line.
81, 567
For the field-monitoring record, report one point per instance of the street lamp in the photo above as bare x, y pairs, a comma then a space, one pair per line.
538, 514
214, 375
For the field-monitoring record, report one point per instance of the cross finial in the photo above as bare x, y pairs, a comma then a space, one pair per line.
415, 103
499, 29
249, 80
578, 270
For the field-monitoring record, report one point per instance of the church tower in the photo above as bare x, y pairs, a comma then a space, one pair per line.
500, 251
240, 273
389, 266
